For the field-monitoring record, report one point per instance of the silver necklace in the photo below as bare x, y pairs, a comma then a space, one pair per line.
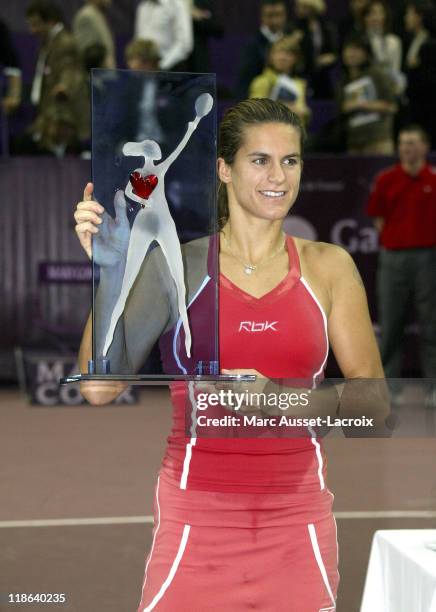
248, 267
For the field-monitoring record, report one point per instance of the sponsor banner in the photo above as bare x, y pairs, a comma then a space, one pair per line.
40, 373
64, 272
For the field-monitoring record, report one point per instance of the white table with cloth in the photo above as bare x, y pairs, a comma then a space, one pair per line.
401, 574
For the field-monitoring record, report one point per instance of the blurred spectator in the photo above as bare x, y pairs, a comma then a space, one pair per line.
169, 24
273, 25
352, 23
94, 57
398, 9
318, 45
59, 89
91, 33
278, 80
205, 26
367, 102
143, 96
387, 48
11, 70
403, 202
420, 65
143, 55
59, 134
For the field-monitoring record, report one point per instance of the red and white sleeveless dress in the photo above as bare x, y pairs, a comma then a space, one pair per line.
246, 523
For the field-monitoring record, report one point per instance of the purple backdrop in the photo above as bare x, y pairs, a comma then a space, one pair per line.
36, 226
37, 229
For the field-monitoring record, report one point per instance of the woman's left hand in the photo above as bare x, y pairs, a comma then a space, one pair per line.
235, 387
254, 387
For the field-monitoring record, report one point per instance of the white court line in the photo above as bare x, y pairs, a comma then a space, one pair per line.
372, 514
103, 520
128, 520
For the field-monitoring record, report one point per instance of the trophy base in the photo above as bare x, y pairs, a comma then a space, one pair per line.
159, 379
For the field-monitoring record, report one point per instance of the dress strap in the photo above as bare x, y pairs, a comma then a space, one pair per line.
294, 260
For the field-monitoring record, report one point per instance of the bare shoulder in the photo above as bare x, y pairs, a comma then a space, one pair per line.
323, 254
329, 262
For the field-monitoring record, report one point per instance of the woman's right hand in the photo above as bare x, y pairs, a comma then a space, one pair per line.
111, 236
88, 218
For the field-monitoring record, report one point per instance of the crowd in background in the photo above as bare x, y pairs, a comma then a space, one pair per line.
376, 67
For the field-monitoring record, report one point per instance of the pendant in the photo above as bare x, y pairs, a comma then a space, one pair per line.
249, 269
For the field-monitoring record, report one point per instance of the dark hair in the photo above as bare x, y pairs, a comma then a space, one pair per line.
271, 3
94, 56
387, 10
421, 6
426, 10
145, 50
255, 111
46, 10
417, 129
359, 41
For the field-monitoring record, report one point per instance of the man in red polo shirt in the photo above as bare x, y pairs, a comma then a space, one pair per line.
403, 202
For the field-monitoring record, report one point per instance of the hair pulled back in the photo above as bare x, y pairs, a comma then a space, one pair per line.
247, 113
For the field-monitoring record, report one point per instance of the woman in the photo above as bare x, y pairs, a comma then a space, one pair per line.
247, 522
169, 25
352, 22
278, 80
366, 98
386, 47
318, 45
420, 66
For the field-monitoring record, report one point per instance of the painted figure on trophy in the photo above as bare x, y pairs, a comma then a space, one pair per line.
153, 222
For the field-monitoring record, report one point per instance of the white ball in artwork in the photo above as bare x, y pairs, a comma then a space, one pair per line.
203, 104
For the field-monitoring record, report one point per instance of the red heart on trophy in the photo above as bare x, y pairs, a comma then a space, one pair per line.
143, 186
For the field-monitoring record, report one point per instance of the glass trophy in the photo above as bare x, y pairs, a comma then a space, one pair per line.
155, 256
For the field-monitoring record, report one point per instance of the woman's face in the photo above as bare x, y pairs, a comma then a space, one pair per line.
357, 6
264, 178
353, 56
376, 17
283, 61
304, 10
412, 20
137, 63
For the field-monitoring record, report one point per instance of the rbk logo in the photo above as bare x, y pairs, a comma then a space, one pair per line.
252, 326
